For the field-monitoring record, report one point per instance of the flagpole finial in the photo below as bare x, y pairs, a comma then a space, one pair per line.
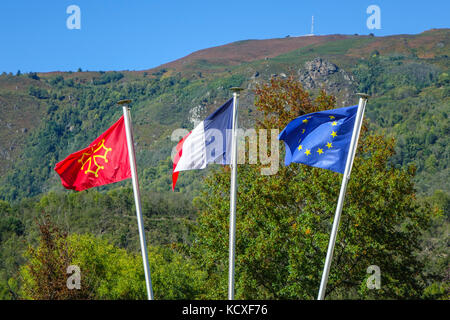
363, 95
124, 102
236, 89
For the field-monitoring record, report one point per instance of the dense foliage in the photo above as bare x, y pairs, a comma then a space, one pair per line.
284, 220
107, 272
395, 216
108, 216
412, 102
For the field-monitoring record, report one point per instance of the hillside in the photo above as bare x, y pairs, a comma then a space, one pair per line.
46, 116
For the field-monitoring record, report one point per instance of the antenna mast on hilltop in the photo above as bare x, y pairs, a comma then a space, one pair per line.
312, 28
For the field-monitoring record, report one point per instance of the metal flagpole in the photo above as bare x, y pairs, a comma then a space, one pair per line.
348, 168
232, 239
137, 195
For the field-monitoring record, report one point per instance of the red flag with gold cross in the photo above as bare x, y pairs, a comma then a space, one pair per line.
104, 161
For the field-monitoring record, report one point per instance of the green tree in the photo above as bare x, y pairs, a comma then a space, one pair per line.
435, 249
284, 220
107, 271
114, 273
45, 276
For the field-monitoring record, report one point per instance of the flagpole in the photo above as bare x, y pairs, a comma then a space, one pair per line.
236, 91
348, 168
137, 195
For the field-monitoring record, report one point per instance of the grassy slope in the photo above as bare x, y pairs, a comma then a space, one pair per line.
201, 78
63, 112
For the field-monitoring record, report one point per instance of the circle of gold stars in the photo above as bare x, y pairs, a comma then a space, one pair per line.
329, 145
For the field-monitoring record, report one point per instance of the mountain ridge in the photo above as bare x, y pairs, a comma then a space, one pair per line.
48, 115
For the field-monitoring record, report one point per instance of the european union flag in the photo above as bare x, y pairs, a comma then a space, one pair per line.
320, 139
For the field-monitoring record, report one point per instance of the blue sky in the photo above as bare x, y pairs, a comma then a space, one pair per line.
141, 34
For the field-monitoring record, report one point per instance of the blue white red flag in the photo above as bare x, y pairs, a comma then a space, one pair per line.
209, 142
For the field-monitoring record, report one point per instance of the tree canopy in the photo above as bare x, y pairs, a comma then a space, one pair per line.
284, 220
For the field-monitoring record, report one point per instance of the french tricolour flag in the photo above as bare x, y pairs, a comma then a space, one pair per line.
209, 142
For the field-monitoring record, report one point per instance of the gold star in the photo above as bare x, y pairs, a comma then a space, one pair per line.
300, 147
305, 121
307, 152
334, 123
320, 151
329, 145
334, 134
331, 117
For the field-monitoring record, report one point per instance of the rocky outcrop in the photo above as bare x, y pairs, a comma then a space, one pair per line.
196, 114
320, 73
